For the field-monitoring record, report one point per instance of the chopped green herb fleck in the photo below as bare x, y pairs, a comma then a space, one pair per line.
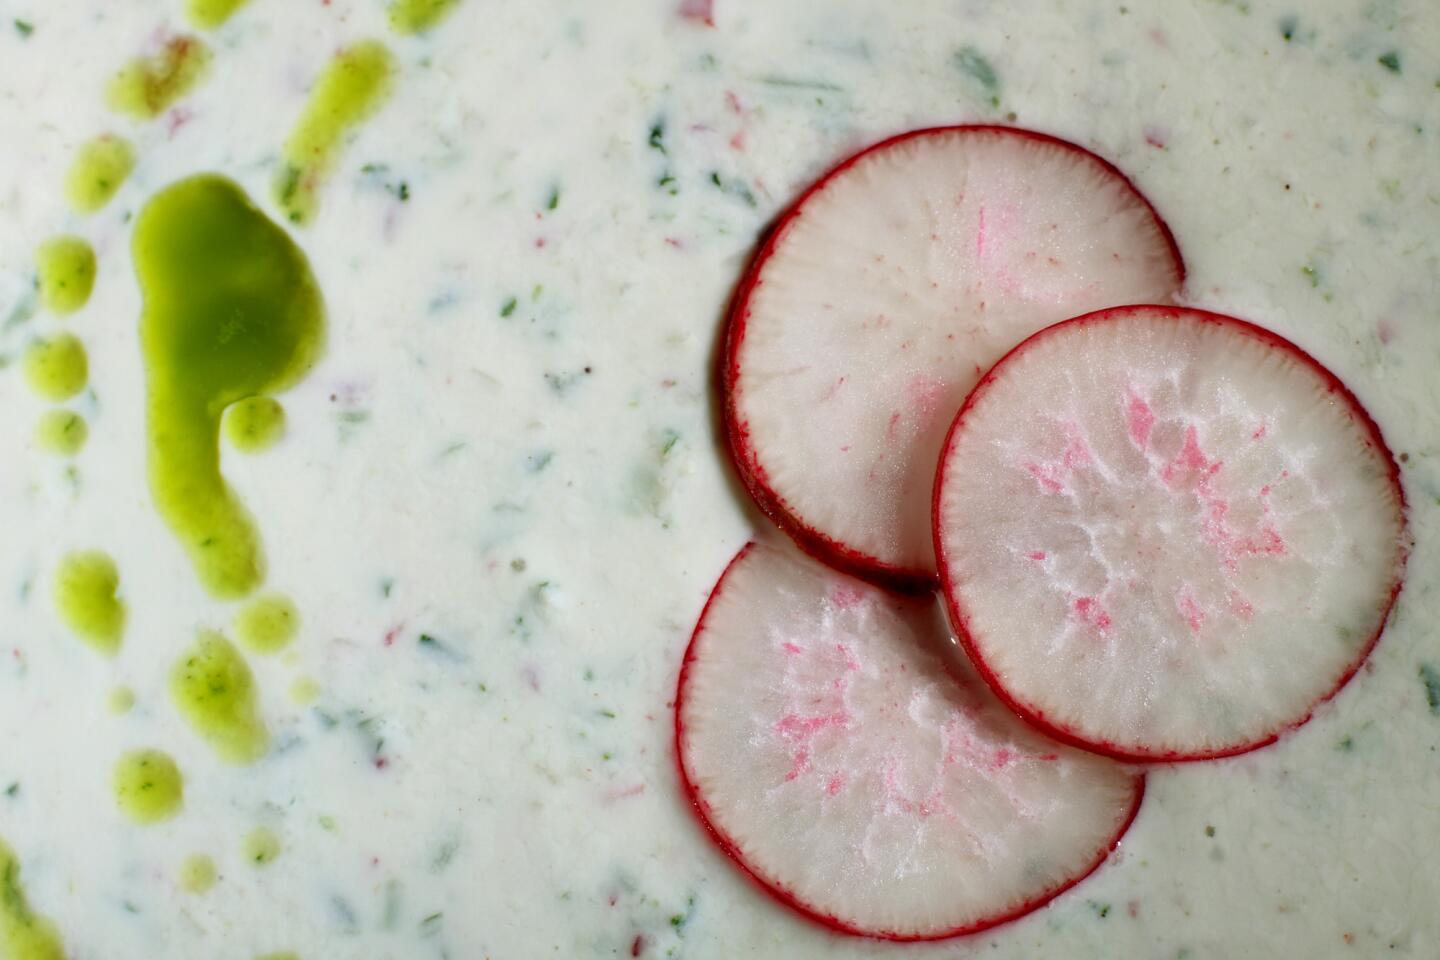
1288, 26
735, 187
1430, 677
1312, 273
508, 307
1346, 744
445, 855
438, 647
1209, 830
974, 63
13, 790
430, 926
25, 28
554, 201
797, 83
657, 137
1390, 61
1102, 910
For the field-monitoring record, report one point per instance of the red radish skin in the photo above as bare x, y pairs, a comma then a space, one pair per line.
925, 395
1193, 466
799, 730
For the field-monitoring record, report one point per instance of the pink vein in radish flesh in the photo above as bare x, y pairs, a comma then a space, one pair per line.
884, 295
1222, 528
845, 754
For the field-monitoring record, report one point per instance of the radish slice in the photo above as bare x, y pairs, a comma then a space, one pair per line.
884, 294
1166, 534
840, 749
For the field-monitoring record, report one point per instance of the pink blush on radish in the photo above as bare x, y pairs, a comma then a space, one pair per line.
840, 749
1223, 527
881, 297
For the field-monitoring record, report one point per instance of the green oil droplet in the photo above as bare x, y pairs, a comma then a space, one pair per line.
148, 787
215, 692
86, 587
24, 934
61, 432
66, 266
254, 424
209, 14
231, 311
350, 89
417, 16
198, 874
304, 691
56, 369
121, 701
261, 847
147, 86
101, 165
280, 956
267, 625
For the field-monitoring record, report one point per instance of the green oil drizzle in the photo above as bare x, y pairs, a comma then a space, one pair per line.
198, 874
66, 267
121, 701
231, 311
350, 89
148, 787
147, 86
86, 587
261, 847
24, 934
304, 691
255, 424
56, 369
417, 16
61, 432
101, 165
267, 625
209, 14
215, 692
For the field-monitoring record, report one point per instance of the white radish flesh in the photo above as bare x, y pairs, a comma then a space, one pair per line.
842, 751
882, 297
1167, 534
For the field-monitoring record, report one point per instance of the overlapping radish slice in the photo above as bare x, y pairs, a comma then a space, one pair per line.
883, 295
1166, 534
842, 751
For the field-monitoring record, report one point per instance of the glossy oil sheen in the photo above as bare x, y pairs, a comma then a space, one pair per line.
231, 312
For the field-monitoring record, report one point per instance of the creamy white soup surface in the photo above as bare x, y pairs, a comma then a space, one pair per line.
393, 676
